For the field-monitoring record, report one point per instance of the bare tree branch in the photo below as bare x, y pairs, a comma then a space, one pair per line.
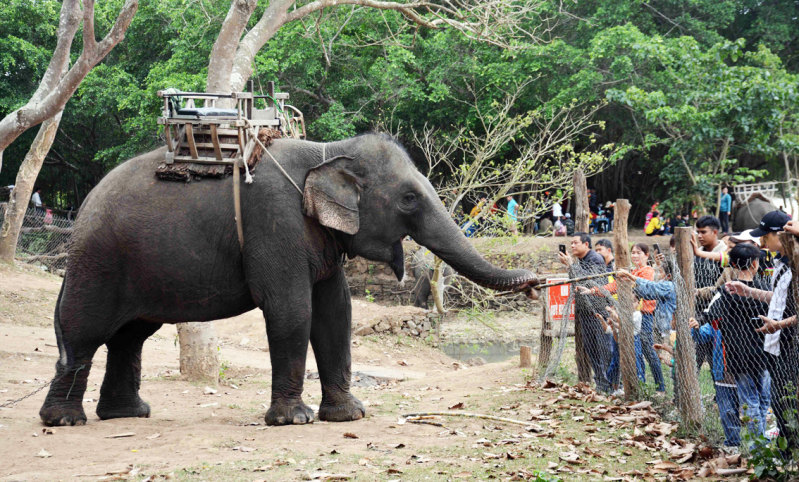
54, 90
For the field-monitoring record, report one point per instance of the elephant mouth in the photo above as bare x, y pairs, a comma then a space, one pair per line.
397, 263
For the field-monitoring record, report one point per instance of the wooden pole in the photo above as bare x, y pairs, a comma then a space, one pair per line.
545, 339
582, 213
525, 356
690, 404
626, 337
581, 225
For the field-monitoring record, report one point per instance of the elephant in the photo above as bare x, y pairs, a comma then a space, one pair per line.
422, 263
147, 252
748, 215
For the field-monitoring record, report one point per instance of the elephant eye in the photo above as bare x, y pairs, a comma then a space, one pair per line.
409, 198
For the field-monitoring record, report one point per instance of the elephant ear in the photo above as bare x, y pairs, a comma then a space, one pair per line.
331, 196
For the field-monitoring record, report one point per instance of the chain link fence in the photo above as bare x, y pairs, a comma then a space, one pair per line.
700, 349
43, 239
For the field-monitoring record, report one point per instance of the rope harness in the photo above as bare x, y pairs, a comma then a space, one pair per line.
248, 179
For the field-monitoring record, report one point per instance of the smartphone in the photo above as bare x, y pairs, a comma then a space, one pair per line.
657, 248
562, 248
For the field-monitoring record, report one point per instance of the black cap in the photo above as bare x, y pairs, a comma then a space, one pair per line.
772, 222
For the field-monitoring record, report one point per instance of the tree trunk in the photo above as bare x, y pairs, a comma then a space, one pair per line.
626, 336
690, 405
199, 354
581, 222
23, 188
582, 212
437, 285
56, 88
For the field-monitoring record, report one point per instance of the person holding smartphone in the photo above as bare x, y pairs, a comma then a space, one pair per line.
738, 319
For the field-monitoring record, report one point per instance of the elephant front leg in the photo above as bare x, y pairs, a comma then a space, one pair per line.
288, 335
330, 337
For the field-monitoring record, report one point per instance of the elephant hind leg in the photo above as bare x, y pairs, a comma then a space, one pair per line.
119, 395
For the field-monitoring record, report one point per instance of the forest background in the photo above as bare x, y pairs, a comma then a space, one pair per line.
693, 93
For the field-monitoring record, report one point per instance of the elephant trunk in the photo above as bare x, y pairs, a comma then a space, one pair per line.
439, 233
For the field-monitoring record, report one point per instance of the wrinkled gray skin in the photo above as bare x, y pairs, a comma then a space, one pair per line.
748, 216
422, 264
147, 252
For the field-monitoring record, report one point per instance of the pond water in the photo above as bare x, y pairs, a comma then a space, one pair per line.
491, 352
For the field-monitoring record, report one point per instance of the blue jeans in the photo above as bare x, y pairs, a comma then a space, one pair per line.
645, 350
754, 398
613, 372
727, 400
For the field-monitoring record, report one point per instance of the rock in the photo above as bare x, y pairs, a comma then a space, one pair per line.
415, 332
427, 326
396, 330
424, 334
381, 327
209, 391
364, 330
244, 341
475, 362
411, 324
406, 317
394, 321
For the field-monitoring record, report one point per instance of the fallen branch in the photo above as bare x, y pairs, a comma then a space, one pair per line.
429, 422
409, 416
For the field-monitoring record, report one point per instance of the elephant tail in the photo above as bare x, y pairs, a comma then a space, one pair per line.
57, 325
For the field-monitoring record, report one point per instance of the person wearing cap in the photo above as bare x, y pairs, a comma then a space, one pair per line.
569, 223
779, 326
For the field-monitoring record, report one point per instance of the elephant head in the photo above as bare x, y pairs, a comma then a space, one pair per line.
371, 192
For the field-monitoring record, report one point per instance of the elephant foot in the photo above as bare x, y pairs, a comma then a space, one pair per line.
108, 409
289, 413
54, 416
346, 410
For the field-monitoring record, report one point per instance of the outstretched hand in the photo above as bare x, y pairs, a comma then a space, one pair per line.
792, 227
736, 288
625, 275
769, 326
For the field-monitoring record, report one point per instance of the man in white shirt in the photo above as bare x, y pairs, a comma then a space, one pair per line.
779, 326
36, 199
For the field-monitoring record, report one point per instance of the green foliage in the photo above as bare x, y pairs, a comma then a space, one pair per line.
680, 78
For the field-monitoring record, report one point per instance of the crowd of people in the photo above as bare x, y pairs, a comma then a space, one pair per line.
743, 325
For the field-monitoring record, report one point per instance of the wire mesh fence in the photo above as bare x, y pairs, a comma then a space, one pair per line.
43, 239
702, 349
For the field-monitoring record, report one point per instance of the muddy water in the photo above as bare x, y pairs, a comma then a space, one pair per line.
491, 352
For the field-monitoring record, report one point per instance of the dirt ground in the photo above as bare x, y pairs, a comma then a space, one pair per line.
221, 437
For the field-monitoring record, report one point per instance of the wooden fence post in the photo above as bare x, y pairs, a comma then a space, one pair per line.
581, 223
525, 356
690, 404
626, 336
545, 339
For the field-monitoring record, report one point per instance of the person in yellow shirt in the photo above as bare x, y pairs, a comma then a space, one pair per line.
655, 226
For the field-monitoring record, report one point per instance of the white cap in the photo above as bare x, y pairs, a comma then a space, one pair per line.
744, 237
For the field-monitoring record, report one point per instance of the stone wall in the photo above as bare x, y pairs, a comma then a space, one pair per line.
408, 321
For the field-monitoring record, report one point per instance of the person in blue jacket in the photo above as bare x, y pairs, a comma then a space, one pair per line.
661, 291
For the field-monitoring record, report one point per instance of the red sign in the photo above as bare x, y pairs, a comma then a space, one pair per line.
556, 299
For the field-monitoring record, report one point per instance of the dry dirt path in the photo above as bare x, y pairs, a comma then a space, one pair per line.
221, 437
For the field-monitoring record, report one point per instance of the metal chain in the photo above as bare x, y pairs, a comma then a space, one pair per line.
14, 402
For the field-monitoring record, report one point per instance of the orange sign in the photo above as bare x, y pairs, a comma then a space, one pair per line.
557, 297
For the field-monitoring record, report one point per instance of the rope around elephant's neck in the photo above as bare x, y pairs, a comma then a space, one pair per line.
283, 171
